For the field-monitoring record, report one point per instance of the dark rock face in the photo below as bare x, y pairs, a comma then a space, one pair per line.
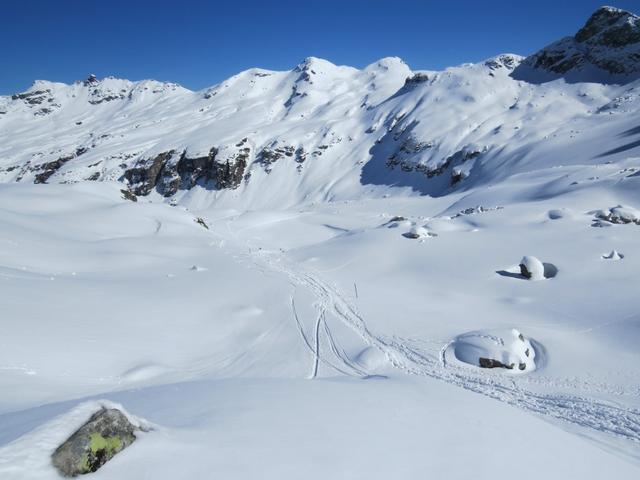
610, 27
144, 176
49, 168
127, 195
416, 79
167, 172
606, 49
270, 155
35, 97
524, 271
503, 61
105, 434
200, 221
492, 363
42, 101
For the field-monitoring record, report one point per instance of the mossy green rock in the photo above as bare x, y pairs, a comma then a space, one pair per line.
105, 434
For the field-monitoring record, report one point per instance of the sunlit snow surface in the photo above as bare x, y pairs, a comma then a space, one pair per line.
316, 339
330, 321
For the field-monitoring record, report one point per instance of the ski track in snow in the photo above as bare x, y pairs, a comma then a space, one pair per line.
576, 410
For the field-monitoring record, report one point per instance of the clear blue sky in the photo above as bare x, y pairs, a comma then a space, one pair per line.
199, 43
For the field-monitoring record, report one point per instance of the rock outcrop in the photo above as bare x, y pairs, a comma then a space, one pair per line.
105, 434
169, 172
606, 49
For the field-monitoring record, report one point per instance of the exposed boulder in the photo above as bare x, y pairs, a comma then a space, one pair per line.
493, 363
200, 221
127, 195
105, 434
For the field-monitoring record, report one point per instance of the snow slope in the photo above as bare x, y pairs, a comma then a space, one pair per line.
315, 263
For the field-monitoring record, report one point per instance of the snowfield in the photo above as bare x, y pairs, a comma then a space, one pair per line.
291, 342
322, 272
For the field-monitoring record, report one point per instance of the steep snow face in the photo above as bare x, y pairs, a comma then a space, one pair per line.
606, 49
324, 132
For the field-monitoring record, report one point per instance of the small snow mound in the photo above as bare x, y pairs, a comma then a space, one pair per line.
613, 255
371, 359
556, 214
506, 349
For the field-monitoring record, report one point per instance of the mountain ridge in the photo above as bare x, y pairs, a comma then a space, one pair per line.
319, 131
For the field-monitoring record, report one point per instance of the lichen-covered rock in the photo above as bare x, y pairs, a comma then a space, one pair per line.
105, 434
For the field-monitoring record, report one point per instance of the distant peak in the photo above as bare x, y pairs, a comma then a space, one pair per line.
506, 60
606, 50
610, 26
387, 63
313, 63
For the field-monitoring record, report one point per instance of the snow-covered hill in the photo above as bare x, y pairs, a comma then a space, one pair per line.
331, 272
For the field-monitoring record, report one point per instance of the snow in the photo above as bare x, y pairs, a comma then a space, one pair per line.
613, 255
296, 323
331, 318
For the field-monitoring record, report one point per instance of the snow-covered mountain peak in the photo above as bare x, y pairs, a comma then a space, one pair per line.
507, 61
612, 27
605, 50
322, 131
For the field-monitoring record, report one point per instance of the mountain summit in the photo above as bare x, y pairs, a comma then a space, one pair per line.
606, 49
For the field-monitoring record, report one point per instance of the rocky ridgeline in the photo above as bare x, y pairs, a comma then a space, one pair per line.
40, 101
609, 42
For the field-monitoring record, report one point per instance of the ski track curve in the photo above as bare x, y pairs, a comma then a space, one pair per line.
584, 412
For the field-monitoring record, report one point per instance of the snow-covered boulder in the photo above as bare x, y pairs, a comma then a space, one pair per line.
532, 268
508, 349
618, 215
418, 232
